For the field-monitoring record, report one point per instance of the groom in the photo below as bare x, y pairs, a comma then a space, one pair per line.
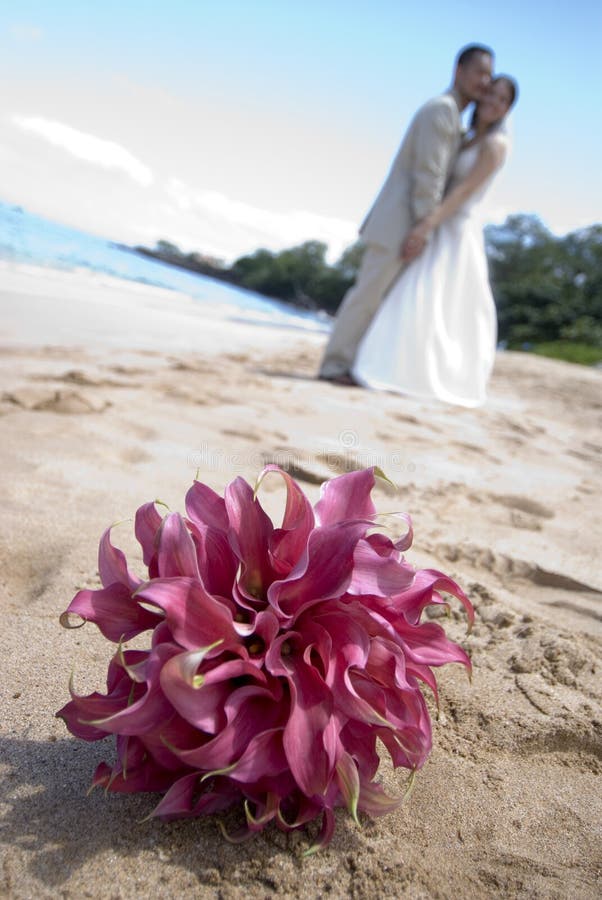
414, 186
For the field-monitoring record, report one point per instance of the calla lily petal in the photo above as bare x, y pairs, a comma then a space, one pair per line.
250, 530
346, 497
148, 522
196, 619
206, 508
114, 610
176, 552
112, 565
287, 543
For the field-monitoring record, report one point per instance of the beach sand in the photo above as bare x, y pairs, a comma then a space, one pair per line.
113, 395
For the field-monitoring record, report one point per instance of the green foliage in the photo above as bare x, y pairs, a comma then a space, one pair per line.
194, 262
169, 249
299, 275
547, 289
584, 354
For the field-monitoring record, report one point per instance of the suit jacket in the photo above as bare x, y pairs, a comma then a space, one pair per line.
419, 173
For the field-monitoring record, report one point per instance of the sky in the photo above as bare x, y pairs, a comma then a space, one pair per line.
224, 127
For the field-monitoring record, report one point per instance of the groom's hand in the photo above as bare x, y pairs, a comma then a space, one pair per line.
412, 246
415, 240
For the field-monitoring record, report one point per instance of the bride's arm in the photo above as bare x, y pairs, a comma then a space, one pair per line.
491, 156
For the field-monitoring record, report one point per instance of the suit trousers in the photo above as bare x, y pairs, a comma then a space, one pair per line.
379, 269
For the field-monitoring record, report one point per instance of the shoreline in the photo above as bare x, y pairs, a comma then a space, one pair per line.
96, 309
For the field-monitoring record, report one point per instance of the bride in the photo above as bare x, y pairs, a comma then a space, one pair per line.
435, 333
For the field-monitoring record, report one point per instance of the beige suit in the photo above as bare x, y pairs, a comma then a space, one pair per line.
412, 189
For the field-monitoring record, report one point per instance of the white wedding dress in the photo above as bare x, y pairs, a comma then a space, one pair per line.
434, 335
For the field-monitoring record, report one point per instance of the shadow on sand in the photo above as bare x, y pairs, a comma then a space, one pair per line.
57, 828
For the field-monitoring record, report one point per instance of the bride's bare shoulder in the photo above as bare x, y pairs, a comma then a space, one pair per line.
495, 146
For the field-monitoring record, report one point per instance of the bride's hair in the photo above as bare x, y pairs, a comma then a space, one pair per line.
497, 126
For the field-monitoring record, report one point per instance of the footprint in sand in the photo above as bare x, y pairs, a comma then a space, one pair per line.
527, 430
579, 608
464, 445
198, 398
182, 365
564, 737
61, 401
475, 449
290, 464
523, 520
507, 567
587, 487
405, 418
523, 504
129, 370
141, 432
410, 441
588, 452
594, 448
133, 456
245, 435
340, 463
81, 379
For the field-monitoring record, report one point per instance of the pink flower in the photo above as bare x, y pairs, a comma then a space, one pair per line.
277, 657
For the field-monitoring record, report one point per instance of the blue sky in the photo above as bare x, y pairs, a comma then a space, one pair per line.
227, 127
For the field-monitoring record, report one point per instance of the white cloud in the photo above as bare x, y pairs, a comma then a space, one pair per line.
25, 33
275, 230
92, 149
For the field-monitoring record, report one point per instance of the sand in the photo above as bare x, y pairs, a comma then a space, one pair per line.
112, 395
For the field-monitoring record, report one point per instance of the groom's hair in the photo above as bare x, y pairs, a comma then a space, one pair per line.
467, 53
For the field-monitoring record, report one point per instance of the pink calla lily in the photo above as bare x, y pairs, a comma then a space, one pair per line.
112, 565
147, 524
278, 656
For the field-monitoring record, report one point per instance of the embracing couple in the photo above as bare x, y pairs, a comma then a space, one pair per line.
420, 318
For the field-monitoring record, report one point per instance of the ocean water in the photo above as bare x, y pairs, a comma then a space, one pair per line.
34, 240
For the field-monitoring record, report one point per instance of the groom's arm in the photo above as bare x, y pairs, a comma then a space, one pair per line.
435, 145
492, 153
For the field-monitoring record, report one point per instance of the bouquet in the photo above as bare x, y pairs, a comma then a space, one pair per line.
276, 656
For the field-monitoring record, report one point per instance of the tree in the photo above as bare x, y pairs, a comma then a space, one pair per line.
546, 288
299, 275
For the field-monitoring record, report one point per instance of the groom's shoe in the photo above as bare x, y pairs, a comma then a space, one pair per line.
345, 379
